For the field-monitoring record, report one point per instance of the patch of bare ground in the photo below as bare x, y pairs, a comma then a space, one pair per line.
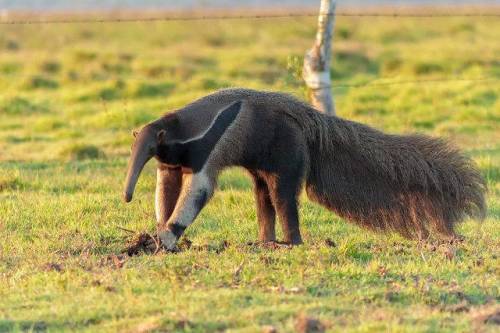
143, 243
306, 324
146, 243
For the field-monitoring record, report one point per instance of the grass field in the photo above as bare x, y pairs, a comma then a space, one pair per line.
71, 94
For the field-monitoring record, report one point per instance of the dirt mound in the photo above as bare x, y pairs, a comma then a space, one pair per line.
143, 243
146, 243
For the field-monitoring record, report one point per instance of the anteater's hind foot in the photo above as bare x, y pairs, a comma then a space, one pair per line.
284, 191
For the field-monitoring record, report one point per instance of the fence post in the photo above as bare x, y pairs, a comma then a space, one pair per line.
316, 71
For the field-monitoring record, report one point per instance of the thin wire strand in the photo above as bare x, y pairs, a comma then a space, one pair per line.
422, 81
239, 17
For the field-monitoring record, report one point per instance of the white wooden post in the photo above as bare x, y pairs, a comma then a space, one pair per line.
316, 71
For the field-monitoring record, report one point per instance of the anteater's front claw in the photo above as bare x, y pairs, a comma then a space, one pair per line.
168, 240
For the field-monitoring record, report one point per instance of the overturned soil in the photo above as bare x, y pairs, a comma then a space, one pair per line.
141, 243
146, 243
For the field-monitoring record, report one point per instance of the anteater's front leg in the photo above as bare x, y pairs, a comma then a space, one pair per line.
197, 189
168, 189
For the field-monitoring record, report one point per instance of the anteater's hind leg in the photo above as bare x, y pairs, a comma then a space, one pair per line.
266, 214
284, 191
168, 188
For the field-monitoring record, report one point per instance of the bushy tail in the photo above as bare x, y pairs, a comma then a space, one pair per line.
411, 184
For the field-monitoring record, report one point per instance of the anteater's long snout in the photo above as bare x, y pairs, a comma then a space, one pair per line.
127, 196
137, 161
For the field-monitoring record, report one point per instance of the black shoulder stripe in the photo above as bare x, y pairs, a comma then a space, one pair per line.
199, 149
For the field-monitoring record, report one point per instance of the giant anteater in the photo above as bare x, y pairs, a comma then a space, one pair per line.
411, 184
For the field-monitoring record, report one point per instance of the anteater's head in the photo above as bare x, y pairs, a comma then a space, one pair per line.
147, 144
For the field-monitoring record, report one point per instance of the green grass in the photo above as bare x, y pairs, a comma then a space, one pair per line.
70, 96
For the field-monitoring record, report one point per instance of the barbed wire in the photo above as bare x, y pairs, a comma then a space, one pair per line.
77, 20
417, 81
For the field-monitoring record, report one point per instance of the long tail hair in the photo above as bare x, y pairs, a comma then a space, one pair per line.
411, 184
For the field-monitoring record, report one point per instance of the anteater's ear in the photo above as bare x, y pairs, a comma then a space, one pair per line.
135, 133
160, 136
